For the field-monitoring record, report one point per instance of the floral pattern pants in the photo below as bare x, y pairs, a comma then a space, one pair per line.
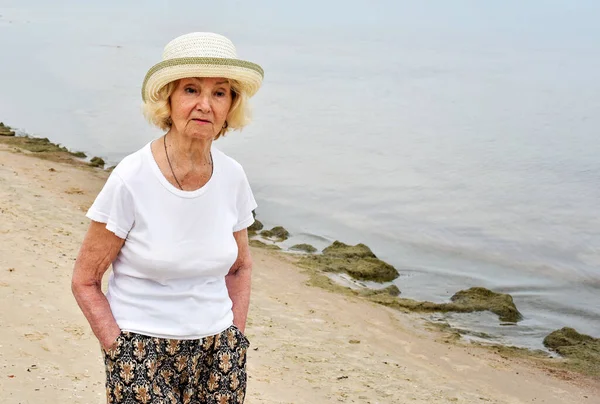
148, 370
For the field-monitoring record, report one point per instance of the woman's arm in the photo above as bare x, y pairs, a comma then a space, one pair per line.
98, 251
238, 280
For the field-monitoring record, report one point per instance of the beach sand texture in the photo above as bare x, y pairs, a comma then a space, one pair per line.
300, 335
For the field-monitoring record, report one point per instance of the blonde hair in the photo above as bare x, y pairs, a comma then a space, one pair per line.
158, 113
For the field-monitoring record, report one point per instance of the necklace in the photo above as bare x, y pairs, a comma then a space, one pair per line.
171, 167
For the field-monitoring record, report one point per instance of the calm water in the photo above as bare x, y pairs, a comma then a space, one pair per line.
459, 142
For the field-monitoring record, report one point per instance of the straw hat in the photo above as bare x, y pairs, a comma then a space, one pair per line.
201, 54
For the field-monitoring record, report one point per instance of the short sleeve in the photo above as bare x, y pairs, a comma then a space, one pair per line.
114, 206
245, 205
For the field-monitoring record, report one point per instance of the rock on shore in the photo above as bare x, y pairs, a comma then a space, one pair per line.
582, 350
6, 130
464, 301
260, 244
277, 233
357, 261
255, 227
481, 299
304, 247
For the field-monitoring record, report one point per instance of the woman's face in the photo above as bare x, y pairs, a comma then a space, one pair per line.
199, 106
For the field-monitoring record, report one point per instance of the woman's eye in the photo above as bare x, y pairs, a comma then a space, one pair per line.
221, 93
190, 90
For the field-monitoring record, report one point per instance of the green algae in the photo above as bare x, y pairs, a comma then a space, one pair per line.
341, 250
519, 352
357, 261
464, 301
260, 244
304, 247
449, 334
39, 147
566, 337
278, 233
316, 278
391, 290
255, 227
581, 351
6, 130
79, 154
481, 299
97, 162
367, 269
405, 304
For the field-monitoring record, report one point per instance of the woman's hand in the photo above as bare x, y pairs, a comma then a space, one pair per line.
110, 341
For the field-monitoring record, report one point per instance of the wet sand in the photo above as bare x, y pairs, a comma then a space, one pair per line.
308, 345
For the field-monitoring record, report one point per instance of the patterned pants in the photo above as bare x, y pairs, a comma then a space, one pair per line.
148, 370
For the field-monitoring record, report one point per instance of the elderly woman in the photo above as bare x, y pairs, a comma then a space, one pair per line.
172, 221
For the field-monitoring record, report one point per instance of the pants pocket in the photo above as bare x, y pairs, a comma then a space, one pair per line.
244, 341
117, 347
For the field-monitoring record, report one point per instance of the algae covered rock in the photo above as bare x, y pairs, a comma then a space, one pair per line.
583, 350
570, 343
260, 244
566, 337
6, 130
255, 227
339, 249
367, 269
304, 247
97, 162
277, 232
465, 301
357, 261
42, 145
391, 290
371, 269
400, 303
480, 299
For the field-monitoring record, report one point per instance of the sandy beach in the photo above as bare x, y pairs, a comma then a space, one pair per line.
308, 345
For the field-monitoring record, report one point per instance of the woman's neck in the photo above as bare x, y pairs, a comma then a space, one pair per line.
190, 154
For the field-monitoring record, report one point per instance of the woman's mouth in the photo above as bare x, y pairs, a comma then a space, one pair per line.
201, 121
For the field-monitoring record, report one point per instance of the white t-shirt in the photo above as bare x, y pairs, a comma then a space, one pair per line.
168, 280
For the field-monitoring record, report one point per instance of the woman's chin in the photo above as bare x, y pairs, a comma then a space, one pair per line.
203, 134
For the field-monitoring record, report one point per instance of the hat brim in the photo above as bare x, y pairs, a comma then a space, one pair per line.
248, 74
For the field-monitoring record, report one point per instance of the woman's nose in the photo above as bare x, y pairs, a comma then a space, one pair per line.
203, 104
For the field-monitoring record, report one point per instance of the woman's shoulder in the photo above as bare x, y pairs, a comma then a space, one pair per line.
133, 164
227, 163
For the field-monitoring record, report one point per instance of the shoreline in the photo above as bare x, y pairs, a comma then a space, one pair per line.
78, 194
